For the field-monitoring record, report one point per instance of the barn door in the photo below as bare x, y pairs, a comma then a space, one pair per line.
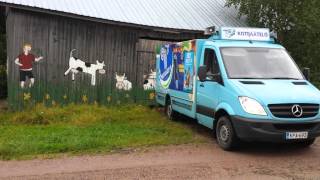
146, 63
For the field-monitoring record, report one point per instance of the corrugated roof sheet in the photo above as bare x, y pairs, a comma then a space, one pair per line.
175, 14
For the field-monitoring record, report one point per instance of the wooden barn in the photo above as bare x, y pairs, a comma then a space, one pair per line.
124, 34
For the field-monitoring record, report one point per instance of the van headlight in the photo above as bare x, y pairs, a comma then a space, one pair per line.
252, 106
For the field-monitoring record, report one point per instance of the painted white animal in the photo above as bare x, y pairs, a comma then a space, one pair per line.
76, 65
122, 82
150, 81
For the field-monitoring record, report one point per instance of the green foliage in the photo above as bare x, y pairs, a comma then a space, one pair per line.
78, 129
296, 23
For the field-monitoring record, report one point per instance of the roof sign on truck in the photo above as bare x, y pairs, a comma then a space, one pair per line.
253, 34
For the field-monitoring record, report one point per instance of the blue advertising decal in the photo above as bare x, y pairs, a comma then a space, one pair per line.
177, 66
165, 66
188, 74
177, 77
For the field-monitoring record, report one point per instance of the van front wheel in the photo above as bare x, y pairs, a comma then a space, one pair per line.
226, 136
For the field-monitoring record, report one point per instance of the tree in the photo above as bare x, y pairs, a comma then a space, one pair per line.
296, 22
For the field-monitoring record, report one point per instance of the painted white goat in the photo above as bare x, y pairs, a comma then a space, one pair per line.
76, 65
150, 81
122, 82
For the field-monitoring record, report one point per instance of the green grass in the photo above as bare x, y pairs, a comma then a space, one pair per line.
80, 129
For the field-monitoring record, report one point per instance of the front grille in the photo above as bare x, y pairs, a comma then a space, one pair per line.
285, 110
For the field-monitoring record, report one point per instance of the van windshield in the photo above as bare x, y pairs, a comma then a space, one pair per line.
259, 63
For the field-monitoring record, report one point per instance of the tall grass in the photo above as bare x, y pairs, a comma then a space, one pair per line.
86, 129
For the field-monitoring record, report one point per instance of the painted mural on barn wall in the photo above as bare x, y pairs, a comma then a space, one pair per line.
177, 66
77, 65
25, 62
26, 59
122, 82
32, 90
149, 81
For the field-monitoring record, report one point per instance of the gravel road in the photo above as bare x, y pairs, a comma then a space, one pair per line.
200, 161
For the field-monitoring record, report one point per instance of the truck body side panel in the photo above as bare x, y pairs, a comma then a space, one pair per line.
176, 75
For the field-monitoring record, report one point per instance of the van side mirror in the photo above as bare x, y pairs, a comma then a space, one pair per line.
306, 73
202, 73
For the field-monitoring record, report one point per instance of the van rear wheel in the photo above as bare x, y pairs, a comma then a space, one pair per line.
226, 136
170, 113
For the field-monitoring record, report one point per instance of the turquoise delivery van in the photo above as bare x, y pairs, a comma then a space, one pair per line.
241, 84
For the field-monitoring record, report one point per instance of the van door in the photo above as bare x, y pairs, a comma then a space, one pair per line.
208, 91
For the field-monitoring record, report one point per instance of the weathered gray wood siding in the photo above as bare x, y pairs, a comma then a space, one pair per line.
53, 37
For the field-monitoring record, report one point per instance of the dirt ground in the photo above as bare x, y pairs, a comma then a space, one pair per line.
193, 161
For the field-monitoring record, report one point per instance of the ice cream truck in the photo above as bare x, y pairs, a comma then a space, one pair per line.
241, 84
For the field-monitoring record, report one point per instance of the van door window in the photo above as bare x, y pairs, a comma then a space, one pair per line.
211, 62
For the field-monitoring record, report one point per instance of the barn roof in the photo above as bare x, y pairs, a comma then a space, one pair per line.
193, 15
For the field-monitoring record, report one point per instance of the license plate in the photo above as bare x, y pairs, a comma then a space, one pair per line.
296, 135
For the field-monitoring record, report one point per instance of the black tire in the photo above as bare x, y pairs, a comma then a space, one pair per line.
225, 134
170, 113
306, 143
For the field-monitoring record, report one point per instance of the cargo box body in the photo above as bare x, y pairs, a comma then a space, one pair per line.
176, 74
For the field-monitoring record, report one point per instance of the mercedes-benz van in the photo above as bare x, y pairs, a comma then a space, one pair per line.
241, 84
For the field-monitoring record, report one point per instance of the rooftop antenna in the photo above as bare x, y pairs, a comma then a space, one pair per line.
210, 30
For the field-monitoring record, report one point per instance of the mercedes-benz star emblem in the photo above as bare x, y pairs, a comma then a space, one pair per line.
297, 110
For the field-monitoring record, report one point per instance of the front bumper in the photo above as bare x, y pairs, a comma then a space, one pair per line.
271, 130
